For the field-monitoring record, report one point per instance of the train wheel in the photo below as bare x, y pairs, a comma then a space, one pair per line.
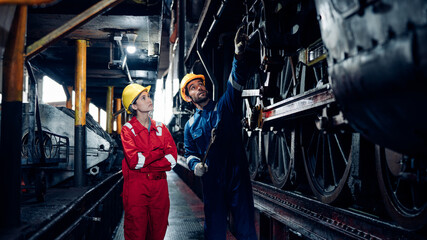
251, 136
402, 182
251, 141
327, 160
281, 158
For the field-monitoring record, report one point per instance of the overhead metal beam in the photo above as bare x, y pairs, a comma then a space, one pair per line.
26, 2
70, 26
121, 82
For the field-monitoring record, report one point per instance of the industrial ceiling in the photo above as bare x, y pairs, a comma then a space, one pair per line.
108, 63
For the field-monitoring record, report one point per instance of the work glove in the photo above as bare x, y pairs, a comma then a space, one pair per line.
200, 169
240, 41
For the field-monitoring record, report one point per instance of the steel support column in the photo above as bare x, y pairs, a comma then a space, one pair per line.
119, 117
80, 116
109, 110
11, 122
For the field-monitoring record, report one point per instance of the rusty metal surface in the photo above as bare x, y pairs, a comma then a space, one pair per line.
315, 220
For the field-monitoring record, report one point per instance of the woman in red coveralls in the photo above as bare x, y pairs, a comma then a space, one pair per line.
149, 151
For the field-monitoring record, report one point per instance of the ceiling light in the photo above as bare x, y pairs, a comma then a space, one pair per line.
131, 49
131, 42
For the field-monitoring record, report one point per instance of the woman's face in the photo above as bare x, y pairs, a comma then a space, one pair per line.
143, 103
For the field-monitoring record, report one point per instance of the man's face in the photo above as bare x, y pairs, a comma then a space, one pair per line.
197, 91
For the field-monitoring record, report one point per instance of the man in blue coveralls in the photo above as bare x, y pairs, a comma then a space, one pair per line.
225, 176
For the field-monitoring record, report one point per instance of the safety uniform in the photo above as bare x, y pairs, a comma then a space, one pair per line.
148, 154
226, 184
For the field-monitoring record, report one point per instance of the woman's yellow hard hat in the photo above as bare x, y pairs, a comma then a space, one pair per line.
188, 78
130, 92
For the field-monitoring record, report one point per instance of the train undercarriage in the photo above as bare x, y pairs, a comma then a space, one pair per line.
332, 109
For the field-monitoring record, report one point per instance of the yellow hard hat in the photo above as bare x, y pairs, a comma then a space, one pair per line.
188, 78
130, 92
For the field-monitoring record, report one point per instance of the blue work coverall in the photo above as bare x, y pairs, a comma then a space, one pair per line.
226, 184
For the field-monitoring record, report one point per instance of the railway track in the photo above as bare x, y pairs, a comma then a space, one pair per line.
312, 219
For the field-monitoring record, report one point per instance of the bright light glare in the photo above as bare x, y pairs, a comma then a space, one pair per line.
163, 103
52, 91
93, 110
131, 49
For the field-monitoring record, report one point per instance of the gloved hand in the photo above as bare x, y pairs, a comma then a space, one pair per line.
240, 41
199, 169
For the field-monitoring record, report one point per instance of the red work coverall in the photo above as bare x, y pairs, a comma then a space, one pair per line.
148, 154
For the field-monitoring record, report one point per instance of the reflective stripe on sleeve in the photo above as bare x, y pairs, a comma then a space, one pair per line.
171, 159
128, 125
141, 161
234, 84
191, 157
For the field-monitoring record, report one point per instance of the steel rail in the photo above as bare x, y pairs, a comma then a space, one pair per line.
316, 220
73, 213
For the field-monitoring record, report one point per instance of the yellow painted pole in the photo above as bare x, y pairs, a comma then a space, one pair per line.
109, 110
119, 117
80, 116
11, 121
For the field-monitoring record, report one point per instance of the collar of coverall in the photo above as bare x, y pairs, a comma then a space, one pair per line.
209, 106
137, 126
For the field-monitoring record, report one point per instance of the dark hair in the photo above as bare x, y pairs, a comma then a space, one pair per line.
132, 111
186, 90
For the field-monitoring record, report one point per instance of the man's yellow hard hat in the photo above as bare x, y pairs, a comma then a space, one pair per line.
130, 92
188, 78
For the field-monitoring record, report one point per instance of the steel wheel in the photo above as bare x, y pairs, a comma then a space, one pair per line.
281, 157
253, 151
327, 160
402, 182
